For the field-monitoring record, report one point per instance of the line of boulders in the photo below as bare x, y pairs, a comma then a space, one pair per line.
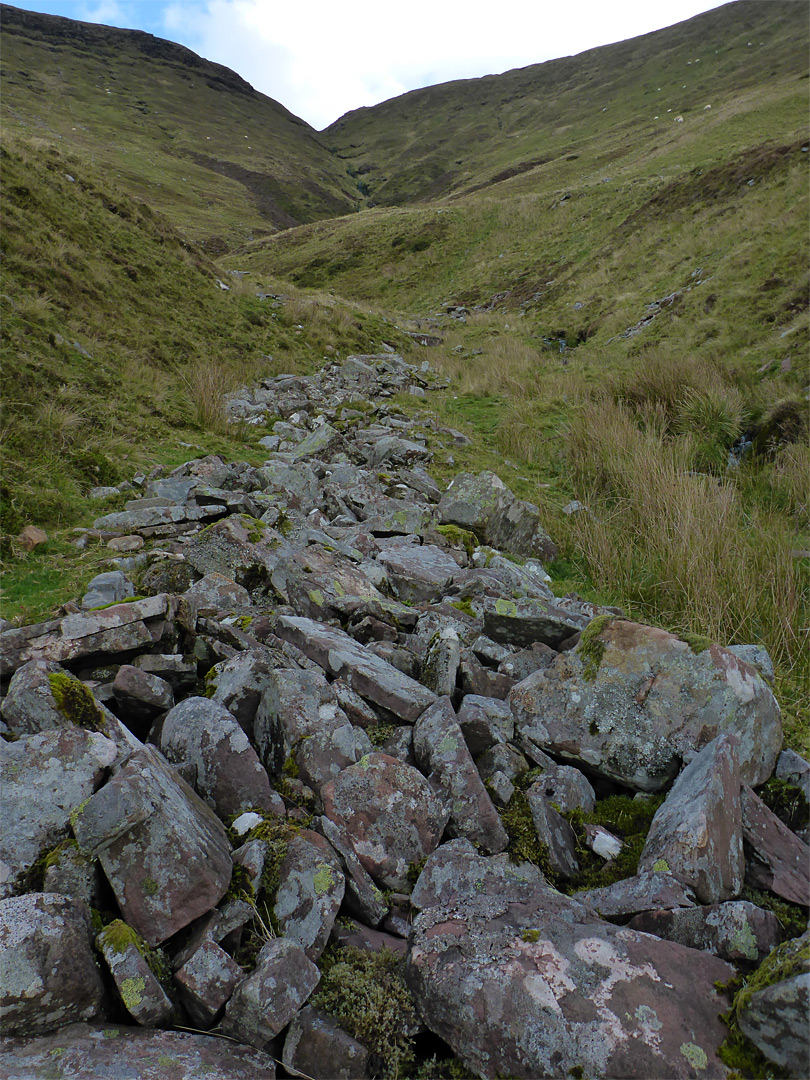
302, 709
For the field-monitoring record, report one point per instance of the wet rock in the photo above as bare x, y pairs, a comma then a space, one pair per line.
776, 859
43, 778
696, 833
371, 677
644, 892
206, 982
141, 993
737, 931
538, 986
444, 757
484, 505
317, 1046
633, 701
212, 751
163, 851
48, 977
265, 1002
391, 814
83, 1050
310, 892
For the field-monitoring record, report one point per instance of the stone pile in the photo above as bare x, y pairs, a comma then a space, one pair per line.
312, 725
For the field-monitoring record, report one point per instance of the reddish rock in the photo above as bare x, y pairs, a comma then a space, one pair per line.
87, 1051
738, 931
391, 814
141, 993
310, 892
206, 982
317, 1046
777, 860
696, 833
141, 696
164, 852
32, 536
644, 892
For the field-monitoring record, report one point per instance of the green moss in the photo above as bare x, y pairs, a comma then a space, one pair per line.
290, 767
464, 606
698, 643
530, 935
117, 603
415, 869
75, 701
255, 529
524, 844
590, 648
33, 879
366, 993
458, 537
210, 682
792, 917
150, 886
627, 818
117, 937
380, 733
739, 1053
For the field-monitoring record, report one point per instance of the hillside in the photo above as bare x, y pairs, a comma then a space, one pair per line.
190, 137
605, 108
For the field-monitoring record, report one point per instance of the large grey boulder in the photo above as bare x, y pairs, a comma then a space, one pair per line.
48, 976
539, 986
164, 852
633, 702
390, 812
696, 833
456, 871
418, 573
43, 778
310, 892
484, 505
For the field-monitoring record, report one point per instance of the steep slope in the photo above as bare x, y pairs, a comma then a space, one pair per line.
462, 135
191, 137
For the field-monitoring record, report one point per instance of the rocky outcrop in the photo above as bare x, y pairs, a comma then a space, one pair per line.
344, 719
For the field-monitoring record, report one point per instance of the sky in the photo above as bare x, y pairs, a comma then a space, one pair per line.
322, 58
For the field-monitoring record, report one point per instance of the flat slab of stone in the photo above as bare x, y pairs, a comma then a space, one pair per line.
539, 986
113, 1050
777, 858
419, 573
643, 892
372, 677
523, 622
738, 931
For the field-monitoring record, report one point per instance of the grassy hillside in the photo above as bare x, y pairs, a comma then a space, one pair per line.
605, 106
189, 137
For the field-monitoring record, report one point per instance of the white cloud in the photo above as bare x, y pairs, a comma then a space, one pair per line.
321, 59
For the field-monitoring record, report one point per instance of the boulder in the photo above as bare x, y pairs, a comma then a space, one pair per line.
141, 993
139, 695
484, 505
566, 789
310, 892
444, 757
109, 588
553, 832
484, 722
633, 702
164, 852
657, 891
83, 1050
48, 976
524, 622
265, 1002
696, 833
316, 1045
204, 741
776, 859
216, 592
362, 897
531, 986
342, 657
455, 871
43, 779
418, 574
390, 812
206, 981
